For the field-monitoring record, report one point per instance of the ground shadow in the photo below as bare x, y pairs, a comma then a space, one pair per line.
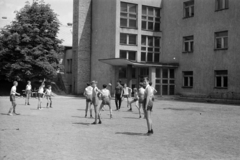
6, 114
132, 133
81, 109
131, 117
79, 117
185, 109
86, 124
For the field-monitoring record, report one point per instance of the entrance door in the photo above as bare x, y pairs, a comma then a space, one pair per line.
165, 81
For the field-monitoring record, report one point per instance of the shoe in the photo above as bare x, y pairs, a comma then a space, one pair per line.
130, 110
94, 123
140, 116
148, 133
10, 114
16, 113
100, 122
85, 116
28, 104
91, 116
151, 131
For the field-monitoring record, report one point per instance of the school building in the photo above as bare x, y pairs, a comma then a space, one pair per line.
186, 47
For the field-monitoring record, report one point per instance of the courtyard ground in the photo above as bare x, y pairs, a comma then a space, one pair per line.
182, 131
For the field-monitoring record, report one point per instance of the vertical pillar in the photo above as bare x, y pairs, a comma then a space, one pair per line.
129, 76
152, 75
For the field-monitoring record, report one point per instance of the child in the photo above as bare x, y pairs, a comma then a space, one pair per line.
40, 95
136, 100
88, 94
153, 89
106, 100
28, 92
95, 100
148, 104
48, 94
13, 92
126, 93
141, 91
118, 95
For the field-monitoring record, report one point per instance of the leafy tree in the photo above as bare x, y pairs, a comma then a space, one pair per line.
29, 47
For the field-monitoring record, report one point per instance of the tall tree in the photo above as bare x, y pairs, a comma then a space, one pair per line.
29, 47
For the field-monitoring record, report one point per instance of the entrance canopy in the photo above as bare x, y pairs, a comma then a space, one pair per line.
126, 62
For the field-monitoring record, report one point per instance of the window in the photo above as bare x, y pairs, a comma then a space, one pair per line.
150, 18
122, 72
221, 4
188, 79
188, 9
128, 39
221, 79
128, 15
131, 55
188, 44
69, 65
221, 40
150, 47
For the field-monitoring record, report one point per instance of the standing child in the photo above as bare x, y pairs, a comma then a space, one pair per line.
127, 93
141, 91
48, 94
153, 89
28, 92
13, 93
95, 100
88, 94
106, 100
118, 95
40, 95
135, 100
148, 104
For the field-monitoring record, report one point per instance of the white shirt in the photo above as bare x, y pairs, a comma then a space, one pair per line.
126, 90
40, 90
28, 87
48, 92
13, 90
105, 92
141, 91
89, 90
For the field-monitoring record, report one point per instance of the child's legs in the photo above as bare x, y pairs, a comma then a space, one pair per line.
120, 102
110, 108
86, 109
12, 106
50, 101
148, 119
100, 109
96, 112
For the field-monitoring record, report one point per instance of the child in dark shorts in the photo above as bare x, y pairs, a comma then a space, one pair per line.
13, 92
106, 100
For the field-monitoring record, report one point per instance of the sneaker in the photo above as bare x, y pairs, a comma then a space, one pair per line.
151, 131
94, 123
140, 116
91, 116
28, 104
130, 110
100, 122
10, 114
148, 133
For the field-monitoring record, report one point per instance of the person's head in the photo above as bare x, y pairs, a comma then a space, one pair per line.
49, 87
118, 83
88, 84
94, 83
15, 83
145, 81
104, 86
125, 84
150, 83
29, 82
135, 90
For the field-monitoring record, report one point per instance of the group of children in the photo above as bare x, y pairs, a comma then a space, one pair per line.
143, 98
28, 91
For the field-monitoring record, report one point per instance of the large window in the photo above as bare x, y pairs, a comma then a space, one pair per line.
188, 9
150, 47
221, 78
150, 18
188, 79
131, 55
69, 65
188, 44
221, 40
128, 15
128, 39
221, 4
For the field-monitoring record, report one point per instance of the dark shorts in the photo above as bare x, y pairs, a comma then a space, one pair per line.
28, 92
135, 99
49, 97
150, 104
40, 95
105, 101
126, 96
88, 98
12, 98
118, 96
141, 99
95, 100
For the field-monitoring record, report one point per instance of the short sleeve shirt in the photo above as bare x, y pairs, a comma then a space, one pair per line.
13, 90
89, 90
105, 92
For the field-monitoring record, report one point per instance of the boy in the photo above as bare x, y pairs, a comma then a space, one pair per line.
95, 100
118, 95
127, 93
106, 100
153, 89
28, 92
48, 94
13, 92
135, 100
88, 94
40, 95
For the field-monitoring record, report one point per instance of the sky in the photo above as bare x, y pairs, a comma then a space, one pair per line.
64, 9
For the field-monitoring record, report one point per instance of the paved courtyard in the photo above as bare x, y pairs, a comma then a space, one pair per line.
182, 131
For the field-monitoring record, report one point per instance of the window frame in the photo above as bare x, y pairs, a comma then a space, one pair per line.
190, 41
224, 5
128, 17
127, 54
222, 76
191, 8
189, 76
148, 18
127, 39
223, 39
69, 66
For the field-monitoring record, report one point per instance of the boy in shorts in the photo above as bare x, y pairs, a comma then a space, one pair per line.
13, 93
28, 92
95, 100
126, 93
48, 94
106, 100
135, 100
40, 95
88, 94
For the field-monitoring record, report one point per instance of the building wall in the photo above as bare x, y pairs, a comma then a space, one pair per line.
204, 60
81, 44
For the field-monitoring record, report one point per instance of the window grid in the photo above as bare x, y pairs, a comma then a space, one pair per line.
188, 43
131, 55
150, 49
221, 4
128, 16
150, 18
188, 79
221, 40
188, 9
221, 79
128, 39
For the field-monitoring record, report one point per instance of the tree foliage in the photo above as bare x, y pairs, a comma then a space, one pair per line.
29, 47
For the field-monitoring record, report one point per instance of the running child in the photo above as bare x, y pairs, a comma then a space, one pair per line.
135, 100
88, 94
95, 100
13, 93
127, 93
28, 92
48, 94
106, 100
40, 95
148, 104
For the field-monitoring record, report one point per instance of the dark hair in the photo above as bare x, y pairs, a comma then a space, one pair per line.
146, 78
15, 82
49, 86
141, 84
104, 86
150, 83
88, 84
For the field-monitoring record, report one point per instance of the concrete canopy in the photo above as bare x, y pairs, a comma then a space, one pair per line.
126, 62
